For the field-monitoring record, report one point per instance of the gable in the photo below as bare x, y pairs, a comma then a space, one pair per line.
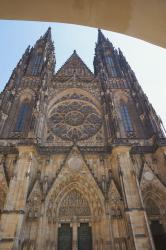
74, 66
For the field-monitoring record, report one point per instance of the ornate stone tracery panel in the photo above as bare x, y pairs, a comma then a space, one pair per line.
74, 204
75, 120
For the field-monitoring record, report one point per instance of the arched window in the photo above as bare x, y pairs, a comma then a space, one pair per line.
111, 66
22, 117
126, 118
37, 64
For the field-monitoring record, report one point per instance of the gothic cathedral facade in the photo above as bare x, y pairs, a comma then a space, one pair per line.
82, 155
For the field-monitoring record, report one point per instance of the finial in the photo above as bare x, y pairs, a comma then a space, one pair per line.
74, 51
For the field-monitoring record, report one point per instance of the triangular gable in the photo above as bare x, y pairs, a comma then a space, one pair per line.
36, 190
74, 65
74, 161
113, 192
34, 201
73, 165
149, 177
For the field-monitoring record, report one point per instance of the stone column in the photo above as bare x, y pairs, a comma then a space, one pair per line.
107, 233
75, 235
134, 207
56, 236
94, 235
42, 229
3, 184
14, 209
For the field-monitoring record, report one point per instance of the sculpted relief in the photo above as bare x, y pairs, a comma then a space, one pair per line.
74, 204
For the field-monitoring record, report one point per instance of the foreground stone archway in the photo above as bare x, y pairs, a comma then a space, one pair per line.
131, 17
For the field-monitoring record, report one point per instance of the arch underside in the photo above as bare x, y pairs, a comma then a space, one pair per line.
105, 14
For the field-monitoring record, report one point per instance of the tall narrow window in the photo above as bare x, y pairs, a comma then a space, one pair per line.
36, 64
126, 118
111, 66
22, 117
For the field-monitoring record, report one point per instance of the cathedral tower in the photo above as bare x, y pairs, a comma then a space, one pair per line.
82, 155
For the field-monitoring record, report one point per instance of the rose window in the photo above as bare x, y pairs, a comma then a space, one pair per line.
75, 120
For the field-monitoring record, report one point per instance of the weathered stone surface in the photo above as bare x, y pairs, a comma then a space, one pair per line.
80, 151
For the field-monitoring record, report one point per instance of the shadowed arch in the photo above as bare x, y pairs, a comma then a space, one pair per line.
57, 98
156, 197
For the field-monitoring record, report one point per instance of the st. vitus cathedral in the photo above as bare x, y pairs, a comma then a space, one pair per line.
83, 155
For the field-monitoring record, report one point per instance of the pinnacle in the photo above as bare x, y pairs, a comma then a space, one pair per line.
101, 37
47, 35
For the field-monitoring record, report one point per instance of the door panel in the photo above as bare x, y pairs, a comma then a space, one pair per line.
159, 236
65, 237
84, 237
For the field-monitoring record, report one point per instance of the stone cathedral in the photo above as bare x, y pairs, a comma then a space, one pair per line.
82, 155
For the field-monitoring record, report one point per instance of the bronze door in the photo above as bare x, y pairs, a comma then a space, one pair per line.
84, 237
65, 237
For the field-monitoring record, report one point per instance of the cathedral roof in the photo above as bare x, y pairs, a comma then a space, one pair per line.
74, 65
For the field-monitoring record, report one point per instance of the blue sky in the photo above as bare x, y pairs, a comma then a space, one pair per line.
147, 60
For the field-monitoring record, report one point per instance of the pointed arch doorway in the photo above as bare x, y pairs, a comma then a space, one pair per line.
74, 231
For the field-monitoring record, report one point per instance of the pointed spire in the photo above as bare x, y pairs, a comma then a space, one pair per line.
122, 60
26, 53
47, 35
101, 37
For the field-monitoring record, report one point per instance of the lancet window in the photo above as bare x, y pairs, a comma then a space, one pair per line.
126, 118
22, 117
37, 64
111, 65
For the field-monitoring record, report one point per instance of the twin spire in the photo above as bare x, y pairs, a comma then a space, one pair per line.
45, 44
47, 36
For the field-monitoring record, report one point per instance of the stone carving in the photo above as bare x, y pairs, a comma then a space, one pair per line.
148, 176
74, 204
75, 163
34, 202
75, 120
74, 96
